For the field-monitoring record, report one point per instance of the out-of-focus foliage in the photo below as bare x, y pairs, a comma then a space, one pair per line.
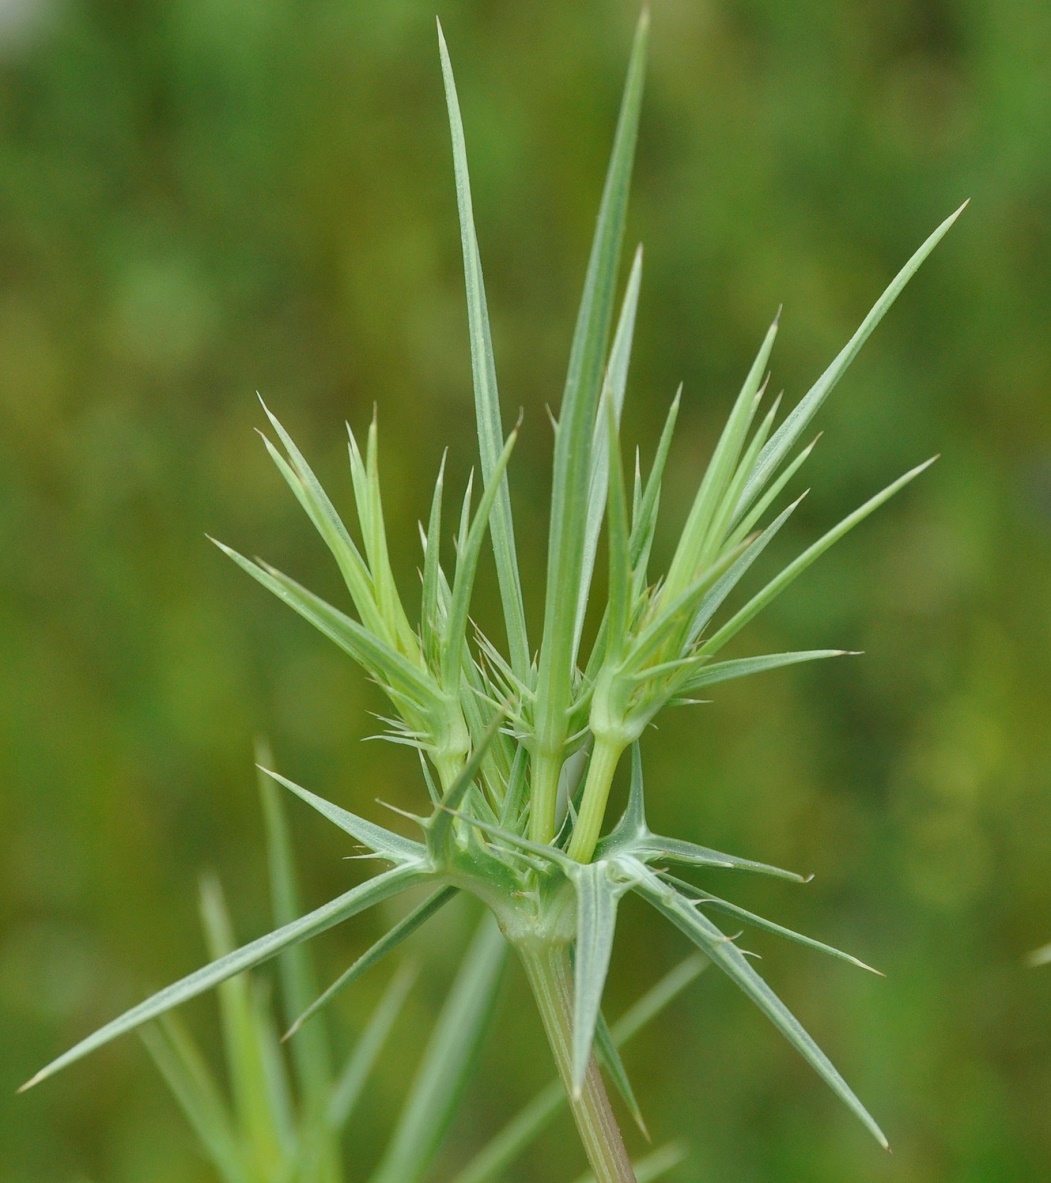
202, 198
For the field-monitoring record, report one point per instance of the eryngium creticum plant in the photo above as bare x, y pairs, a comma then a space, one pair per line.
519, 746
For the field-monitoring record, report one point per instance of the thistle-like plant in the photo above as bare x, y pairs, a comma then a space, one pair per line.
518, 748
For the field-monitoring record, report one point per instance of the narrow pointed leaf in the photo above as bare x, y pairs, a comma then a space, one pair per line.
644, 519
572, 467
388, 942
619, 606
655, 848
439, 827
448, 1061
724, 585
191, 1082
744, 525
310, 1053
348, 1086
244, 1040
609, 1058
735, 965
430, 617
690, 555
350, 903
705, 900
466, 567
326, 1125
597, 896
486, 397
383, 842
307, 488
385, 663
727, 671
796, 422
614, 389
799, 565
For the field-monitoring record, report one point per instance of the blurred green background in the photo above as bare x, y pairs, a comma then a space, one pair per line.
204, 198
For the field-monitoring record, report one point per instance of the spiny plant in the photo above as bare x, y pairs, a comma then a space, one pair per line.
284, 1119
518, 750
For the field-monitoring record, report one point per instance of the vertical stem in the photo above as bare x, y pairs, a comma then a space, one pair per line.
604, 759
550, 977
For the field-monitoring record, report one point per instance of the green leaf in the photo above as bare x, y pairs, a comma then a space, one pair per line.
602, 445
190, 1080
618, 610
388, 942
313, 498
448, 1061
644, 522
704, 899
694, 551
726, 582
310, 1053
486, 397
572, 466
350, 903
734, 964
324, 1127
349, 1084
1039, 956
257, 1095
383, 842
609, 1058
727, 671
795, 423
430, 612
794, 569
390, 667
597, 896
466, 567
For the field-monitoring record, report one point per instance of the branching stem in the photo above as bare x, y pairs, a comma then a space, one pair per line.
603, 764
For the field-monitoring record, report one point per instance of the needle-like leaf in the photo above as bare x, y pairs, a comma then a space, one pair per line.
597, 896
191, 1081
390, 667
375, 953
705, 900
383, 842
573, 443
676, 908
794, 569
613, 394
486, 398
448, 1061
727, 671
796, 422
350, 903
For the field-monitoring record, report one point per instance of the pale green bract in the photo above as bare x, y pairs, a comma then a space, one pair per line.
519, 748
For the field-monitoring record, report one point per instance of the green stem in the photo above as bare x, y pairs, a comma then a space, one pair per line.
603, 764
551, 980
544, 796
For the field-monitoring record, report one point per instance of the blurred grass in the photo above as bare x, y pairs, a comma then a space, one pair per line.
204, 198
